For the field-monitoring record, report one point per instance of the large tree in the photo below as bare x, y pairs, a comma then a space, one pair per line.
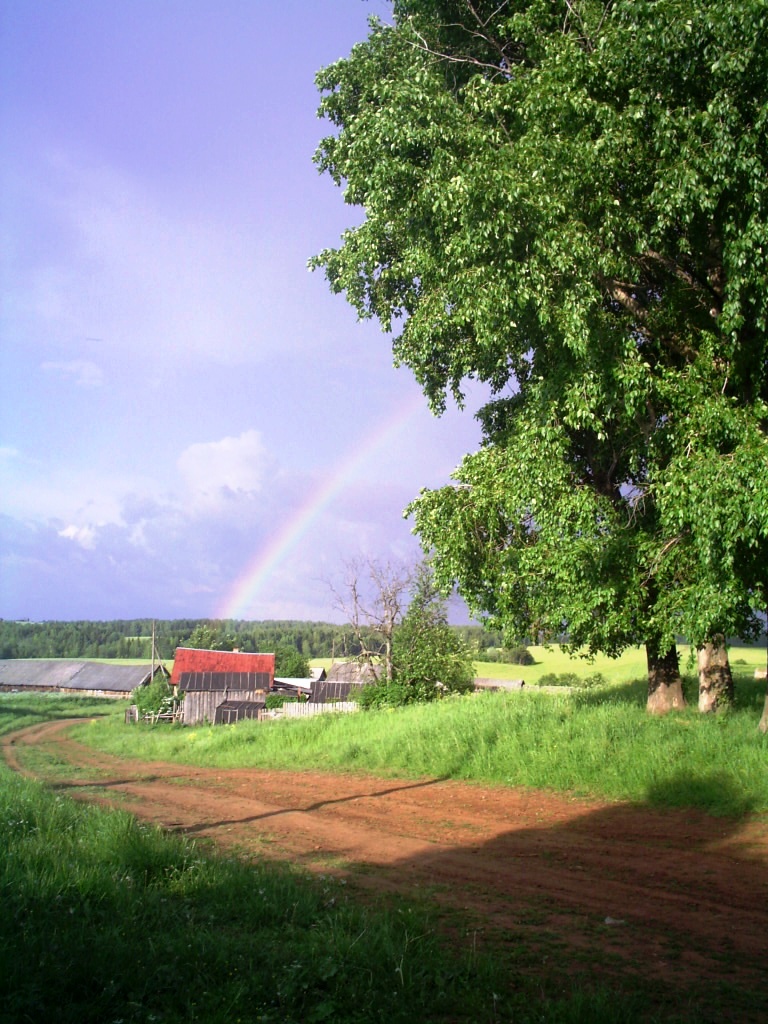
568, 201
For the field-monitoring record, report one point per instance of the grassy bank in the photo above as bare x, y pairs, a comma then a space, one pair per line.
598, 742
105, 919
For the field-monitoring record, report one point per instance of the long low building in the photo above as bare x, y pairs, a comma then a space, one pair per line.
85, 678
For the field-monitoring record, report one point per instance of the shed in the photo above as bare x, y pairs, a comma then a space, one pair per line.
344, 681
336, 689
354, 672
208, 679
84, 678
231, 711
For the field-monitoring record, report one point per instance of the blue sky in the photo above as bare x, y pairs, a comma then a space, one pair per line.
177, 388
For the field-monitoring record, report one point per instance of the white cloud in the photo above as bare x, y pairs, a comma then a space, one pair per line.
233, 466
82, 372
38, 490
85, 536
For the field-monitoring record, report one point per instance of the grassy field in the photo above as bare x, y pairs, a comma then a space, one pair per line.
108, 920
596, 742
630, 665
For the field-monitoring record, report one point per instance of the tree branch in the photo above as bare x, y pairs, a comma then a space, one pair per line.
505, 58
706, 292
620, 292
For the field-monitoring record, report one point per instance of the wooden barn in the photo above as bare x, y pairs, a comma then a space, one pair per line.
344, 681
78, 678
222, 686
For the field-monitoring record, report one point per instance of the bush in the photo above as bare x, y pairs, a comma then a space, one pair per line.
290, 663
276, 700
508, 655
428, 655
393, 695
154, 698
518, 656
572, 680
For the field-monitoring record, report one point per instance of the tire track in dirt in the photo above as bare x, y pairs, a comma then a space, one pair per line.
677, 896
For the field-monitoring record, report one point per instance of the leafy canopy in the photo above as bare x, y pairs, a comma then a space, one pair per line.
568, 201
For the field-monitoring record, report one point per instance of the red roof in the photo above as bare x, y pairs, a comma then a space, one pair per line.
189, 659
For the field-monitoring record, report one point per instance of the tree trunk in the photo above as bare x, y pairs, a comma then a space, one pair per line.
665, 687
715, 679
388, 673
763, 724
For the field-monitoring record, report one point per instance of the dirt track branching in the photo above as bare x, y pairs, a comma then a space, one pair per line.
106, 919
596, 742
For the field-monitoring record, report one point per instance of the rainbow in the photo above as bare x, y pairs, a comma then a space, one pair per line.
238, 603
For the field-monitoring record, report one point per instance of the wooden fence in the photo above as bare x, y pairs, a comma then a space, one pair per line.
307, 710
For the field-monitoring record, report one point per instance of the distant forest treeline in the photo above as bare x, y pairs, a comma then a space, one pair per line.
132, 638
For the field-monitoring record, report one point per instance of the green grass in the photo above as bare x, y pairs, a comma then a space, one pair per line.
598, 742
104, 919
630, 665
18, 710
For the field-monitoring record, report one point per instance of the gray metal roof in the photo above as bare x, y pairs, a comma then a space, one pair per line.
189, 681
72, 675
353, 672
336, 689
486, 683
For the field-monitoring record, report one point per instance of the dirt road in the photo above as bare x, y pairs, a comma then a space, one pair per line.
675, 896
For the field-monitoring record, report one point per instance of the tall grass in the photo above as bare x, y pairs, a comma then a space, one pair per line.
599, 742
105, 920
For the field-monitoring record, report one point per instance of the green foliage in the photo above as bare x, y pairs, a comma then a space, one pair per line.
128, 639
206, 638
572, 680
290, 663
519, 655
154, 698
429, 657
572, 204
394, 695
273, 701
132, 638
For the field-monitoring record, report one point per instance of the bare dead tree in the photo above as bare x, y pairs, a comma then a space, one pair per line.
372, 596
